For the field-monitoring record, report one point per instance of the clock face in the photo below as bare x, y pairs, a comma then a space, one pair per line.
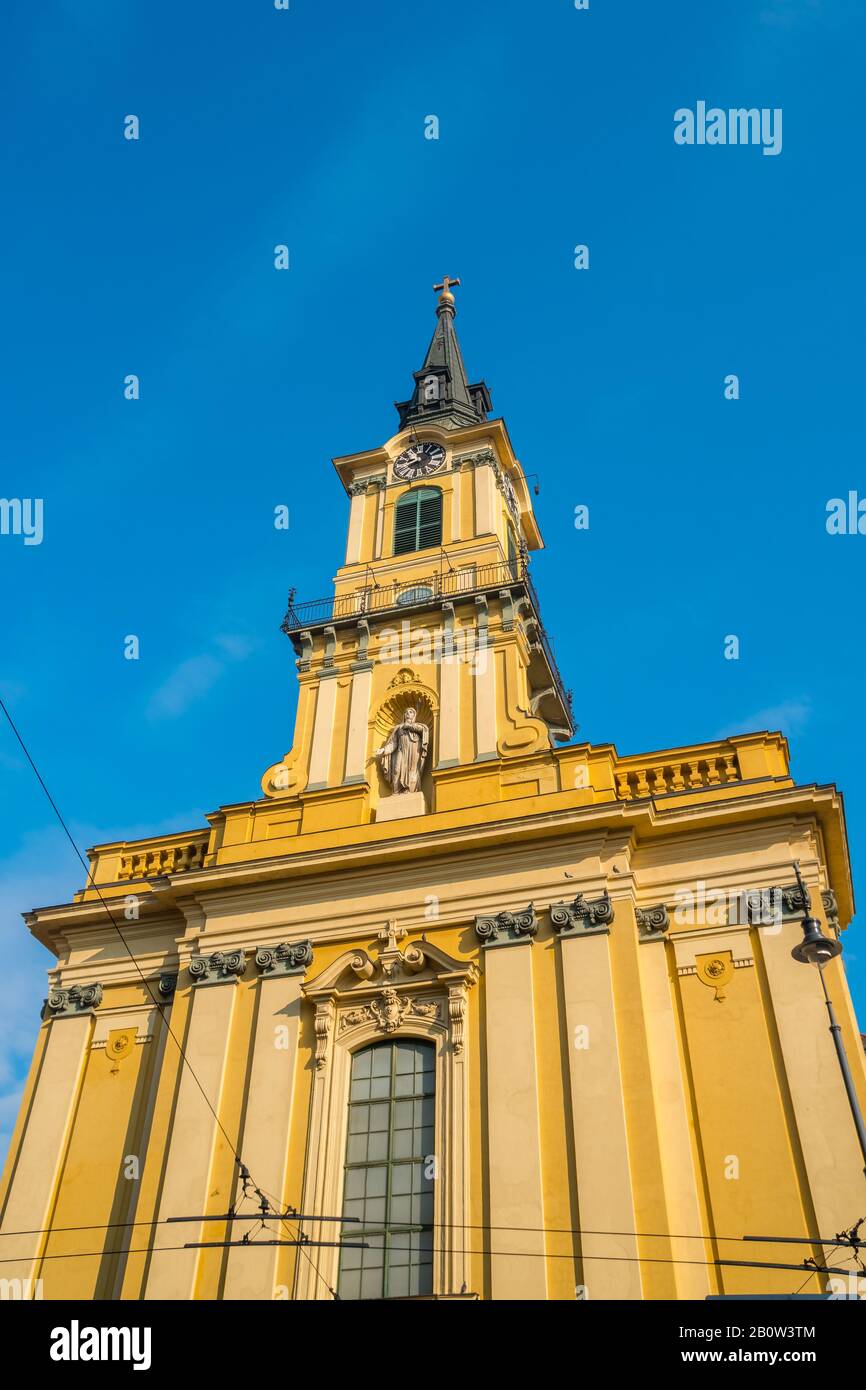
419, 461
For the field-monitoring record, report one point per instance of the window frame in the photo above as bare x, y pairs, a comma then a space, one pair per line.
342, 1023
387, 1228
415, 494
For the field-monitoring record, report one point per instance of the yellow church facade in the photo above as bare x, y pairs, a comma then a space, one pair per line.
477, 1010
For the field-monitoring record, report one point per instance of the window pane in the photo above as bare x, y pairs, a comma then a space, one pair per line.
356, 1149
361, 1064
381, 1061
371, 1283
359, 1121
404, 1114
354, 1186
405, 1057
377, 1147
378, 1116
377, 1181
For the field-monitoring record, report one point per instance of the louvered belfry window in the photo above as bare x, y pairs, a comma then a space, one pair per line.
418, 520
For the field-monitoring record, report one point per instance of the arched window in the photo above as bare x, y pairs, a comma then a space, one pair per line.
388, 1180
418, 520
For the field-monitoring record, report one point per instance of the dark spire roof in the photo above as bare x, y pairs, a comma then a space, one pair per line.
442, 393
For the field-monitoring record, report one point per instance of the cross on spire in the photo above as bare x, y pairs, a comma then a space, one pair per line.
444, 286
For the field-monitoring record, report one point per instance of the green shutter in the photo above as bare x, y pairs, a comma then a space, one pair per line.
418, 521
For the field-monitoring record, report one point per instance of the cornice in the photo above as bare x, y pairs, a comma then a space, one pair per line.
644, 820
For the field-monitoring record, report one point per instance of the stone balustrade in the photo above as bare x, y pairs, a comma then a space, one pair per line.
647, 777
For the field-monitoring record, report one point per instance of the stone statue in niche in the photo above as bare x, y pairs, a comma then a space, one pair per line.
404, 755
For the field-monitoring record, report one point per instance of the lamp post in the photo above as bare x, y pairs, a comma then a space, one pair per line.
818, 949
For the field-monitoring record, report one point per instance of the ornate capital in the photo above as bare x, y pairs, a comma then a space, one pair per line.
507, 927
652, 921
359, 488
831, 909
167, 984
69, 1003
288, 958
582, 916
218, 968
770, 904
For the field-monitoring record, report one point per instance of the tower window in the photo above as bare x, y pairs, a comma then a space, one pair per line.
387, 1183
418, 520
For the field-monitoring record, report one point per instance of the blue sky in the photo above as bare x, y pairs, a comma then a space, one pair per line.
306, 127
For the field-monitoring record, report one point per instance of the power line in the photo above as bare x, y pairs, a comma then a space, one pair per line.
445, 1250
159, 1006
291, 1215
89, 882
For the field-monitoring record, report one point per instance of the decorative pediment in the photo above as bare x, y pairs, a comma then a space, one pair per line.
393, 989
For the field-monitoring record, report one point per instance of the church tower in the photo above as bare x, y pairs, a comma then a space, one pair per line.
433, 612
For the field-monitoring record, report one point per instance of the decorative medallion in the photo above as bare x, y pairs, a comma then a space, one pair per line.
716, 971
119, 1044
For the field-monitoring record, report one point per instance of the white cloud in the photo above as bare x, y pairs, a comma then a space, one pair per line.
790, 717
195, 677
187, 683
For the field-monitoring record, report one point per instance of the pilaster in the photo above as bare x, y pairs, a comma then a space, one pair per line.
265, 1138
513, 1137
186, 1186
604, 1190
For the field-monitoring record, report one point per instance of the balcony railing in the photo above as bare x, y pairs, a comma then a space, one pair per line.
380, 598
432, 589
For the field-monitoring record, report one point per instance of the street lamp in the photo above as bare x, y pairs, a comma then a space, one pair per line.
818, 949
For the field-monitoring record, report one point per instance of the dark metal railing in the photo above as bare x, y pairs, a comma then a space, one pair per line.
442, 584
379, 598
